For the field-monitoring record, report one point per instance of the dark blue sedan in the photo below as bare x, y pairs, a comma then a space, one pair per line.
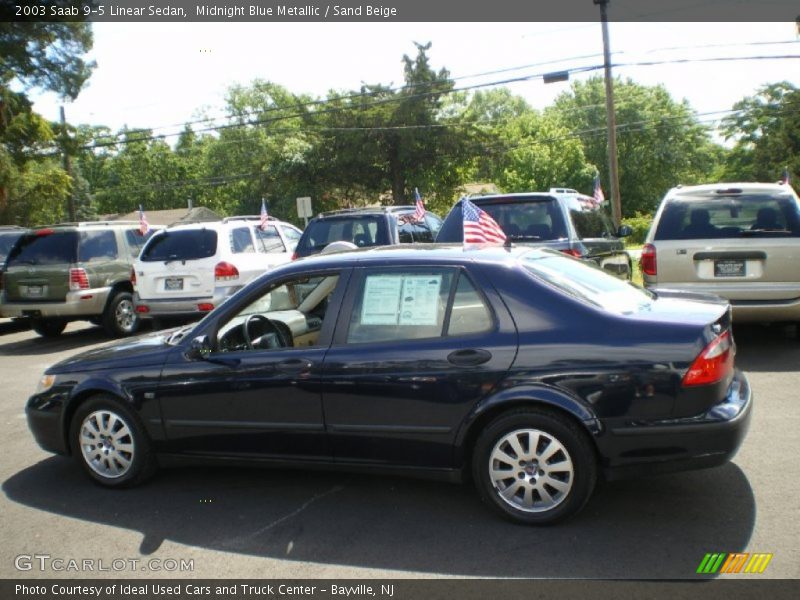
528, 371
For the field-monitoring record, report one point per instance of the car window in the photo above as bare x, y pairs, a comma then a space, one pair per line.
363, 231
521, 219
400, 305
469, 313
7, 241
588, 283
292, 236
46, 247
434, 223
136, 240
97, 245
288, 314
241, 240
405, 233
590, 221
742, 215
182, 244
268, 239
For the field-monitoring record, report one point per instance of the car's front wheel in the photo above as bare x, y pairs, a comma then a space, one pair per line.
534, 466
110, 443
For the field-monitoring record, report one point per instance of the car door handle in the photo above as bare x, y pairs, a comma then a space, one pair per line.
469, 358
293, 365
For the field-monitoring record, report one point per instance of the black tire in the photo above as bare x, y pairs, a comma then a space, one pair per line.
49, 327
529, 484
119, 318
114, 434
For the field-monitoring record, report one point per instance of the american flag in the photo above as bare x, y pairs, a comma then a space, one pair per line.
479, 226
419, 213
598, 191
264, 216
144, 226
786, 178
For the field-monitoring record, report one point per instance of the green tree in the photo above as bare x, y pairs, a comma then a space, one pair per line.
660, 141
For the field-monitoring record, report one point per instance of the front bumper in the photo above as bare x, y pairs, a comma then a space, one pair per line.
181, 307
707, 440
78, 304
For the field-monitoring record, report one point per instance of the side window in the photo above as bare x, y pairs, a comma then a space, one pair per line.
241, 240
288, 315
400, 305
97, 245
591, 223
405, 232
136, 240
434, 223
292, 237
422, 233
470, 313
268, 239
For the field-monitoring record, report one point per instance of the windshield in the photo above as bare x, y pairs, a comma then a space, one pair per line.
733, 216
588, 283
185, 244
364, 231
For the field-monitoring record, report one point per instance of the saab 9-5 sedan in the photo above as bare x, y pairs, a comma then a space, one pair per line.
527, 371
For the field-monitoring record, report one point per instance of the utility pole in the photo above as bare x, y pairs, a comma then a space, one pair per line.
613, 167
67, 165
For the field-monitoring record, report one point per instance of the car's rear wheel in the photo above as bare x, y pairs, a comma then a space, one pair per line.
534, 466
110, 443
119, 317
49, 327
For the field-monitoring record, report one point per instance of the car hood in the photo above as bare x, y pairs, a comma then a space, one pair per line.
141, 351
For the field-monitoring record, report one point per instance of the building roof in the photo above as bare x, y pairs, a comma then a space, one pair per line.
170, 217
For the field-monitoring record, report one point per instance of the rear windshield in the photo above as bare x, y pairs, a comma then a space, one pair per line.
6, 242
734, 216
522, 219
588, 283
188, 244
369, 230
46, 247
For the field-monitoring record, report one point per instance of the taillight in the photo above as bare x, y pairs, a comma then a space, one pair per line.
205, 307
713, 364
225, 271
133, 277
648, 260
572, 252
78, 280
141, 308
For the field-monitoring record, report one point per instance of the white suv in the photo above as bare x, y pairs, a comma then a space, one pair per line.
187, 270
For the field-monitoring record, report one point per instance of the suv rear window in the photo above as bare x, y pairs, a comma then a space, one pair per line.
523, 219
740, 215
7, 242
188, 244
363, 231
46, 247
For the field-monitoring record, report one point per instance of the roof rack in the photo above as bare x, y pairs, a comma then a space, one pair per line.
364, 209
90, 223
247, 218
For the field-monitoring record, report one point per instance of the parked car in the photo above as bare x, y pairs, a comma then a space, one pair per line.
367, 227
568, 221
740, 241
73, 271
526, 370
187, 270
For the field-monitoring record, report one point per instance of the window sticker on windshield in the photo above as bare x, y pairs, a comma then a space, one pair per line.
381, 300
401, 300
420, 300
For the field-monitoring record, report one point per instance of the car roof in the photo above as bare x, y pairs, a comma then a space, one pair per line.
727, 189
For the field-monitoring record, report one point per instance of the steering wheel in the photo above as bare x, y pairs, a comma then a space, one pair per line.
270, 328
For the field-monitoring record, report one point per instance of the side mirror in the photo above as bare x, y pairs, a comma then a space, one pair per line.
200, 348
624, 231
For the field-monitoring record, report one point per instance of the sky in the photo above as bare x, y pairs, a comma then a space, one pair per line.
160, 75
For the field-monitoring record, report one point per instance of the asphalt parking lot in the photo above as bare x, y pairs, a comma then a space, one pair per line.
276, 524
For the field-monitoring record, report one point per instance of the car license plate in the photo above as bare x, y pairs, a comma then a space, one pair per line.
729, 268
172, 284
35, 291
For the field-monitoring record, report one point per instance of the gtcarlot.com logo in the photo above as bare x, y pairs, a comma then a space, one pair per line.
734, 562
46, 562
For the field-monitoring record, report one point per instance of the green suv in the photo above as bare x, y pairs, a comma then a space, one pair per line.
71, 272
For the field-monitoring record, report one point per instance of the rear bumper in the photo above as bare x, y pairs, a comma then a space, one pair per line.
747, 306
78, 304
707, 440
181, 307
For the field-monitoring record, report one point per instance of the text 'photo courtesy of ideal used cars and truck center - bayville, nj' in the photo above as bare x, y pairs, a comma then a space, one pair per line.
388, 301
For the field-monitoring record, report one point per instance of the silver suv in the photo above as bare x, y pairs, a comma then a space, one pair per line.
740, 241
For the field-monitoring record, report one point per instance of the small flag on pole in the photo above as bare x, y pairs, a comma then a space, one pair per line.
598, 190
264, 215
479, 226
144, 226
786, 178
419, 213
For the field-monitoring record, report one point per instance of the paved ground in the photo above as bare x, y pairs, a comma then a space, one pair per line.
262, 523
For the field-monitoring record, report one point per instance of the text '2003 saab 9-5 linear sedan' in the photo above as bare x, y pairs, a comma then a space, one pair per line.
527, 371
